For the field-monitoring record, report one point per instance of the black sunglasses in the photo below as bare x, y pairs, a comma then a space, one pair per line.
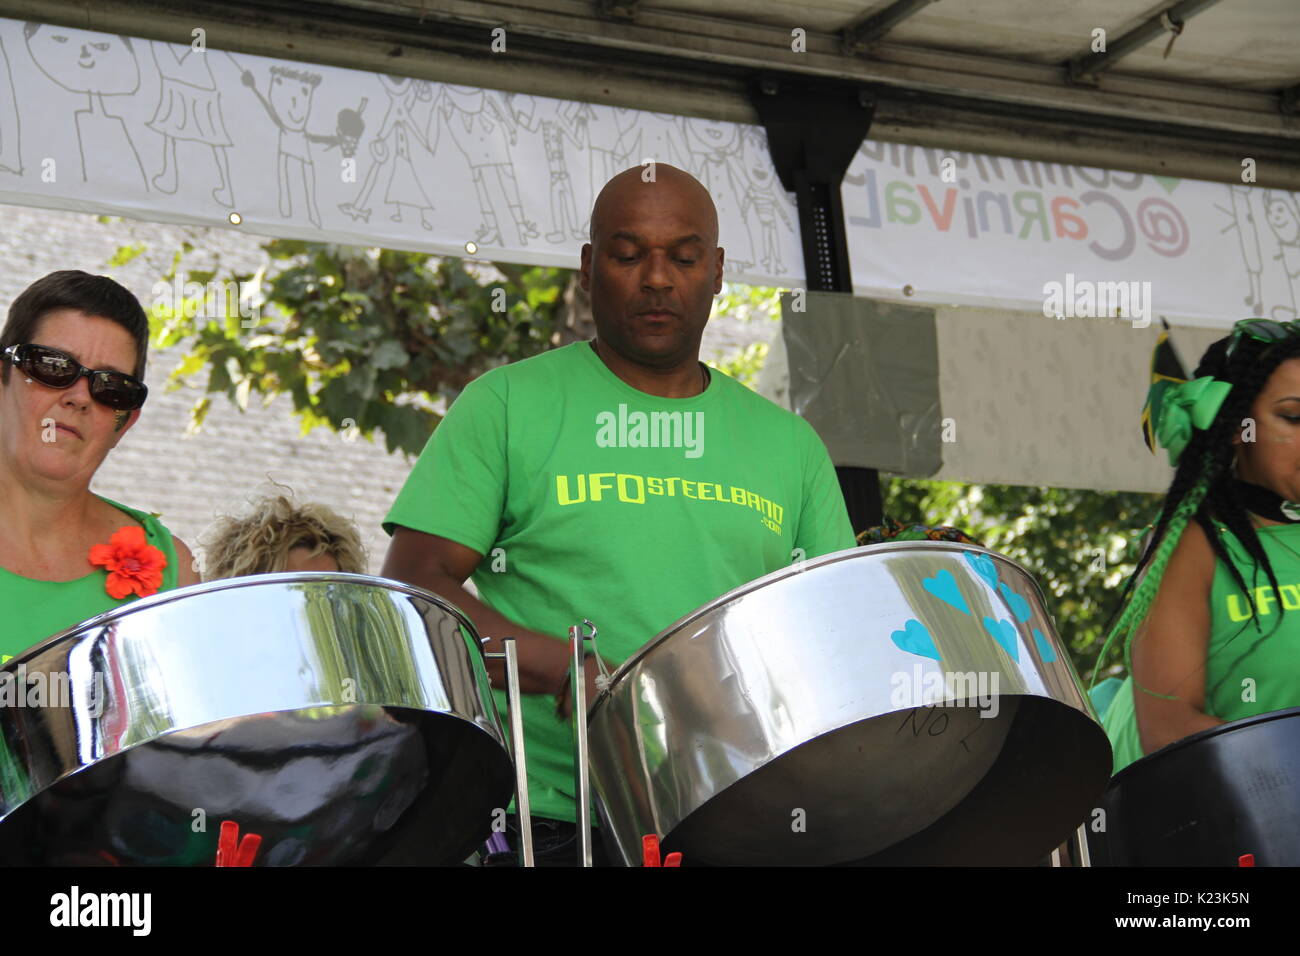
58, 369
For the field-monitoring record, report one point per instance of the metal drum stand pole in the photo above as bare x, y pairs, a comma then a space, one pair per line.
511, 656
1078, 844
578, 675
1084, 858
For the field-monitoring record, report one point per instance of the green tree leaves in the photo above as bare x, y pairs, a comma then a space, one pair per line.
358, 338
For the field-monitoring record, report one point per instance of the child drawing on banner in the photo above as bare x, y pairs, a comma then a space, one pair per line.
1248, 239
555, 132
288, 102
600, 130
653, 138
713, 146
483, 129
11, 158
189, 110
763, 199
1283, 216
99, 65
397, 152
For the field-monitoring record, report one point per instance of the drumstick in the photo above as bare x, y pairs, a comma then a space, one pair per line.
650, 850
248, 849
226, 842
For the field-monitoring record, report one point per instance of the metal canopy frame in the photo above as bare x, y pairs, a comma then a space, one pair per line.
666, 59
1086, 67
872, 29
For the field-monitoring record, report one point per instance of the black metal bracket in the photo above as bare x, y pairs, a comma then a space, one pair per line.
814, 129
1289, 99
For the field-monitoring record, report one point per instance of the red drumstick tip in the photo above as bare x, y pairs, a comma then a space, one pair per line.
650, 850
248, 849
226, 843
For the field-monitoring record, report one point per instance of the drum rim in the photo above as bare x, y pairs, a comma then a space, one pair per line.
1147, 760
223, 584
774, 576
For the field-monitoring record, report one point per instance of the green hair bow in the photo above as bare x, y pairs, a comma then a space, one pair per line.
1184, 406
1174, 405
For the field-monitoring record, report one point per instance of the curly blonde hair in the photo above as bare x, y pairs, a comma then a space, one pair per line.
260, 542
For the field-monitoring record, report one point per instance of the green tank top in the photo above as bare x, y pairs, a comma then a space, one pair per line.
1248, 671
32, 610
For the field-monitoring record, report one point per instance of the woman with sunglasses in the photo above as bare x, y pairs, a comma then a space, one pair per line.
72, 357
1210, 614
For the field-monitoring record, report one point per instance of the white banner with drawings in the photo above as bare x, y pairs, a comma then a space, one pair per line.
173, 133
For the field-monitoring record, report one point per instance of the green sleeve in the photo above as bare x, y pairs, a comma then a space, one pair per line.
457, 488
824, 525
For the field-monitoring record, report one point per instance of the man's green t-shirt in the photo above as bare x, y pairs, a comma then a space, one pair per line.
1248, 671
592, 499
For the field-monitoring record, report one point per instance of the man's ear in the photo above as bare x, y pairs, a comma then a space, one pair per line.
584, 270
717, 278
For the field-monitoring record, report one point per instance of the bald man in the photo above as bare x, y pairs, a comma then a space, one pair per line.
618, 480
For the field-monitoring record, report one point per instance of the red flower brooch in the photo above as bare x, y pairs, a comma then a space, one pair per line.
134, 566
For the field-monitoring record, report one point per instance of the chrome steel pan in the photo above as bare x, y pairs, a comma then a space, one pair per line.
346, 719
806, 718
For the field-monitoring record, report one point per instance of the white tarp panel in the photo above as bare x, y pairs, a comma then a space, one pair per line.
1051, 403
98, 122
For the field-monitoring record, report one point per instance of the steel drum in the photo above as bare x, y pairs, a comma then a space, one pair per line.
823, 715
1208, 799
346, 719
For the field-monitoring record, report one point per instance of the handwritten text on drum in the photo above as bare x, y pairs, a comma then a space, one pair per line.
651, 430
945, 689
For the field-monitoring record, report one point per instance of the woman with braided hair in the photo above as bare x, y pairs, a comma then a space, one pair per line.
1204, 646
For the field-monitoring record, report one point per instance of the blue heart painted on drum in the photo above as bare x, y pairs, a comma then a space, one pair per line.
984, 567
944, 586
915, 639
1045, 650
1004, 632
1019, 606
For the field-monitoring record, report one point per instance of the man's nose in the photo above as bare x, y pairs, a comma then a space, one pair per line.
657, 273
